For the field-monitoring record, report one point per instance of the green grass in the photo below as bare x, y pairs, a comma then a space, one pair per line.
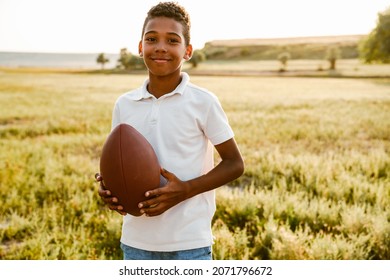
316, 184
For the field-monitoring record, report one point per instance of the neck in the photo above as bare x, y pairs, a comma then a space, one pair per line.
158, 86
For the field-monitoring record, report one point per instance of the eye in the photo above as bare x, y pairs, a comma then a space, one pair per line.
150, 39
173, 41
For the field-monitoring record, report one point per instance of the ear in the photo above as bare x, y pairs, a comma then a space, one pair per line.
187, 56
140, 49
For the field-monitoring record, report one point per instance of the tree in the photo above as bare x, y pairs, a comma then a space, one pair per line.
129, 61
332, 54
197, 57
283, 59
124, 59
376, 46
101, 59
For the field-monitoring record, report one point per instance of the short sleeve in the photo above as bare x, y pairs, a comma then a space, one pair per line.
217, 127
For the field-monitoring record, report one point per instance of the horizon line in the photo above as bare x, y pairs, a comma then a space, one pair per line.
216, 42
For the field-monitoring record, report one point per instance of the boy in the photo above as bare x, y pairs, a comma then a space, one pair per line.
180, 121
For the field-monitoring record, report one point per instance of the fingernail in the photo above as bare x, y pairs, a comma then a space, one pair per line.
147, 194
140, 206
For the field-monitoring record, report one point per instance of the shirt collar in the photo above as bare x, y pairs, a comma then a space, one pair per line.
143, 93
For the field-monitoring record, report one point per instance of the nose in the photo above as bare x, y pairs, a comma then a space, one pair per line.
161, 47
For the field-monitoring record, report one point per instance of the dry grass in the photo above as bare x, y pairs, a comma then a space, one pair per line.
316, 184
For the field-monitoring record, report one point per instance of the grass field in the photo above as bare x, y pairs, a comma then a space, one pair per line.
352, 68
316, 185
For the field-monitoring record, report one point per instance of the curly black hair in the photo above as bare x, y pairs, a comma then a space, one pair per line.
174, 11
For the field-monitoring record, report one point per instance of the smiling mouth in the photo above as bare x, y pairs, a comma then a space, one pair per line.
160, 60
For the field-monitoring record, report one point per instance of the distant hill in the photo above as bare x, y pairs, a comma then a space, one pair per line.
298, 47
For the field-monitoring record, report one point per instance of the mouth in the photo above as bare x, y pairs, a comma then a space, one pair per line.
160, 59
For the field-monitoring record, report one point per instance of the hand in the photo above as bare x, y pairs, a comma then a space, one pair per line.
105, 194
163, 198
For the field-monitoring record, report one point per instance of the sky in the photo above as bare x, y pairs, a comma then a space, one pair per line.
95, 26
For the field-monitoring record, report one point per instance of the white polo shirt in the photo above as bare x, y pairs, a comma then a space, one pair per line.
182, 127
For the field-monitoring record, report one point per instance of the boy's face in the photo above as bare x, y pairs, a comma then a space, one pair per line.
163, 46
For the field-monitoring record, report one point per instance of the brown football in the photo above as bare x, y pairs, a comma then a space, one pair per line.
129, 167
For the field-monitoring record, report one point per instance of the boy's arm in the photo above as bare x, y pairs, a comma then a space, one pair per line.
231, 167
176, 191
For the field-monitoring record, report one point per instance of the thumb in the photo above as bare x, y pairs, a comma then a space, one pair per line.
167, 175
164, 177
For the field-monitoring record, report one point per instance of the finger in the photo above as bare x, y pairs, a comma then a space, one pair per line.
153, 193
111, 201
102, 186
149, 203
103, 192
118, 208
98, 177
167, 175
153, 211
157, 192
123, 213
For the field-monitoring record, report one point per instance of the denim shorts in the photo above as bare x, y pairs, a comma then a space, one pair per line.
130, 253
